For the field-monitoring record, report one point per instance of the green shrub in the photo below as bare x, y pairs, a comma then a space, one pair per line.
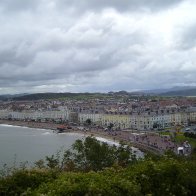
91, 183
21, 180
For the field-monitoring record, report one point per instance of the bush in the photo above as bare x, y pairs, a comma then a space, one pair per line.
154, 175
91, 183
21, 180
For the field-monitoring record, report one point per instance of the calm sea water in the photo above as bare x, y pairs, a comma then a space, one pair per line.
20, 144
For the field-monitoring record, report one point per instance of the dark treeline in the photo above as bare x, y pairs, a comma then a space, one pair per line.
39, 96
191, 135
94, 168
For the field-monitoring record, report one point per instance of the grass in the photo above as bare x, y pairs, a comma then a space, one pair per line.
165, 133
180, 138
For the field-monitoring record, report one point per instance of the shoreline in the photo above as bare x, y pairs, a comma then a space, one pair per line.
10, 125
52, 126
35, 125
97, 133
101, 136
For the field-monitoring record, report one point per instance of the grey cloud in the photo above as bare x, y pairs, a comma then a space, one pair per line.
120, 5
57, 53
187, 38
18, 5
10, 56
86, 5
107, 50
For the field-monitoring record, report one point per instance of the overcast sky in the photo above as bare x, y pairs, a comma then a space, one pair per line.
96, 45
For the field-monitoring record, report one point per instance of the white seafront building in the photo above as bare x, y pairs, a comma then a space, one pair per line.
119, 120
35, 115
128, 120
94, 117
142, 121
4, 114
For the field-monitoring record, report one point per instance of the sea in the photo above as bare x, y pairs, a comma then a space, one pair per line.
19, 145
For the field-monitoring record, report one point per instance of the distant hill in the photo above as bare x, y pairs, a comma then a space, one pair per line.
8, 96
175, 91
38, 96
125, 93
187, 92
3, 98
166, 90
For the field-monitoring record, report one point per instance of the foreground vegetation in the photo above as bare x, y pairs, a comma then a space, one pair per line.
190, 137
94, 168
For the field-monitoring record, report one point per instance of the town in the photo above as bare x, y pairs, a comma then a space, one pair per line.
123, 116
137, 114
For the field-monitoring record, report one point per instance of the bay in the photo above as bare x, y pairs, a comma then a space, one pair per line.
20, 144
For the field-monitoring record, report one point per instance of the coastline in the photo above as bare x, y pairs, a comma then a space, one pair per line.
35, 125
52, 126
100, 135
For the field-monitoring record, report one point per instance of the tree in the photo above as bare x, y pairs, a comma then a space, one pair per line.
124, 155
40, 164
92, 154
52, 162
110, 126
153, 175
88, 121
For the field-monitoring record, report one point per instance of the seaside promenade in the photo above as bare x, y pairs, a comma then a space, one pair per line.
150, 142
